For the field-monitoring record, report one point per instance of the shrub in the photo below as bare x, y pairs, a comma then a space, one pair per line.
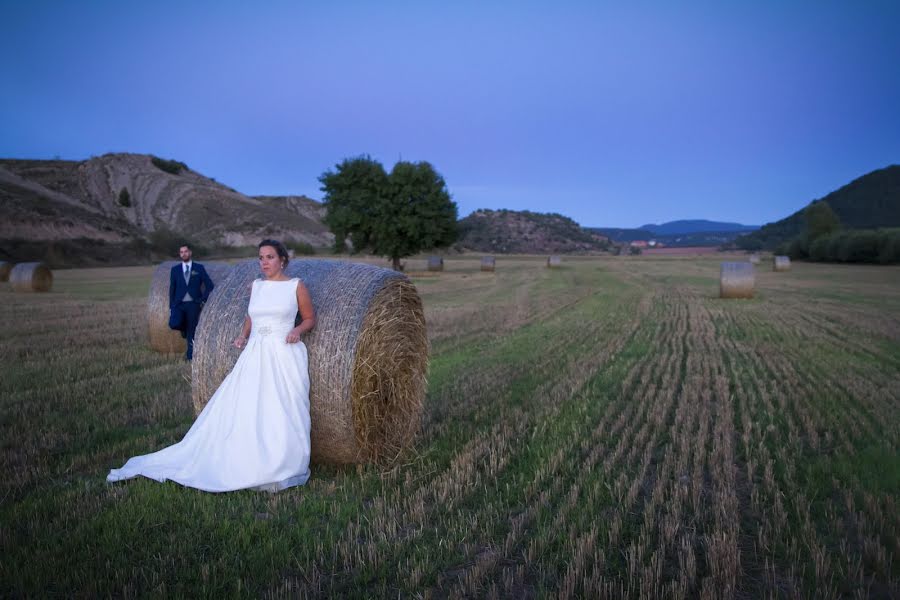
889, 250
167, 242
867, 246
834, 245
796, 248
124, 197
301, 248
820, 249
859, 246
173, 167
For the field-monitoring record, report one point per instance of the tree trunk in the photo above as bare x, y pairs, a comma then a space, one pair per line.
397, 265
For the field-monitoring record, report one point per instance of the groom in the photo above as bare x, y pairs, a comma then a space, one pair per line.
189, 288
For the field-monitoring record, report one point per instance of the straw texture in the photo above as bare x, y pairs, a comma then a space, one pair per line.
160, 337
554, 261
435, 263
368, 355
488, 263
782, 263
5, 268
31, 277
736, 280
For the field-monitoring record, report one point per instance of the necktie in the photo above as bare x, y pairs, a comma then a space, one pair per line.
186, 274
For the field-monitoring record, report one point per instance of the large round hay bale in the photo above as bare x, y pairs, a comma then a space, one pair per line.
435, 263
5, 268
754, 259
161, 338
736, 280
368, 355
554, 261
488, 263
31, 277
782, 263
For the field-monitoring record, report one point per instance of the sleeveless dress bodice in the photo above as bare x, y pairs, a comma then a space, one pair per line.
273, 308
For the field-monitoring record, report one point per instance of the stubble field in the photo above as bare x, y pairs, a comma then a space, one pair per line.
607, 429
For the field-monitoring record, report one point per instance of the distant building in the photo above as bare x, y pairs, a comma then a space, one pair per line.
639, 244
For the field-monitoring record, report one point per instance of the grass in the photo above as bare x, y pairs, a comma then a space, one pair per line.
610, 429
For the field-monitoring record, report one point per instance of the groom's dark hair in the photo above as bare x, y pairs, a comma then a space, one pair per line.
279, 248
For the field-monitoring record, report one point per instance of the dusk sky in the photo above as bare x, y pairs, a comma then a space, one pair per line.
614, 114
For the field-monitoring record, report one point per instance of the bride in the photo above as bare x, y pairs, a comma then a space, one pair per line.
254, 432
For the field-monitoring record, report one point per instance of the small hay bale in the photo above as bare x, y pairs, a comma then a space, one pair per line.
736, 280
161, 338
435, 263
488, 263
31, 277
368, 356
5, 268
554, 261
754, 259
782, 263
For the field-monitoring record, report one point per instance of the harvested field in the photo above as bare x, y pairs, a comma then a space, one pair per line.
610, 429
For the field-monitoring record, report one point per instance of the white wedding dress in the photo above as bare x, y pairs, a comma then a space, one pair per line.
254, 432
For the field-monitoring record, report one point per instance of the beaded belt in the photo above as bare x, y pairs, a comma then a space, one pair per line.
264, 330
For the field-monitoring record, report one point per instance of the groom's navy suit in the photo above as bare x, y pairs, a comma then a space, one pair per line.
186, 298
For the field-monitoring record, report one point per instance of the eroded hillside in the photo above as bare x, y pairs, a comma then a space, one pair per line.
120, 199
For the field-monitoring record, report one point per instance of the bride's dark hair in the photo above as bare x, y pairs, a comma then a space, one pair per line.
279, 248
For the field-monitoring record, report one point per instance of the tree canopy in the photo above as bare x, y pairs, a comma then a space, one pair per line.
821, 220
394, 215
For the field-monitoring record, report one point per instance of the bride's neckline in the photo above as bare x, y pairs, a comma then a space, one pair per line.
278, 280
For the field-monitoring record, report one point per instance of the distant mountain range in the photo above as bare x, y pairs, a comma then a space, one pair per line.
510, 231
868, 202
697, 226
683, 233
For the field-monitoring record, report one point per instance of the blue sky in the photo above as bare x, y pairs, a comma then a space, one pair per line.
614, 114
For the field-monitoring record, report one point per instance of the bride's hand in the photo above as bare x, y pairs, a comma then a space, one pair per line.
294, 336
239, 342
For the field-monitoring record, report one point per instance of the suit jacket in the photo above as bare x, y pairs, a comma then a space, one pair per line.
199, 286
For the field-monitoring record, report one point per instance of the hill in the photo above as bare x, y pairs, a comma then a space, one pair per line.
526, 232
688, 226
113, 208
867, 202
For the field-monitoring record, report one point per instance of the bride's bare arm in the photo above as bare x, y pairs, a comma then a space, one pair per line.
241, 340
307, 314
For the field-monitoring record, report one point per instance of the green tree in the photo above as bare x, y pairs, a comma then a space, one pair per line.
173, 167
394, 215
820, 221
124, 197
353, 192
